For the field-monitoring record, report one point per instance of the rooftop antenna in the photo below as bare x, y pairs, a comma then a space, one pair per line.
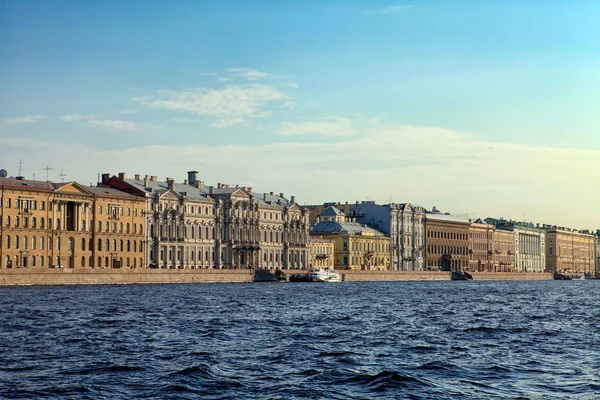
47, 169
34, 177
62, 176
20, 167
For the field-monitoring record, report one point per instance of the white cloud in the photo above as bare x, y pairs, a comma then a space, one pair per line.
117, 125
29, 119
253, 74
333, 126
223, 79
391, 10
232, 105
128, 111
456, 171
78, 117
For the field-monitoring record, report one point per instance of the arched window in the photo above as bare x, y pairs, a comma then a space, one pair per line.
41, 261
8, 220
17, 221
16, 242
42, 224
91, 247
141, 230
99, 226
141, 247
33, 261
99, 248
34, 222
120, 245
114, 245
50, 226
128, 227
128, 246
120, 227
58, 223
83, 244
33, 243
99, 261
7, 241
83, 261
91, 261
70, 244
42, 243
107, 226
128, 262
83, 225
107, 245
106, 261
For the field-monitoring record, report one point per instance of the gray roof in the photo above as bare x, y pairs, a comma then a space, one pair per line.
331, 210
342, 228
445, 217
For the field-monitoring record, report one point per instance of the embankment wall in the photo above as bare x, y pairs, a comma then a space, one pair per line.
76, 276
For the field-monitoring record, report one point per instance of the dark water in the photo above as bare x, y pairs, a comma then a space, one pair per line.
537, 340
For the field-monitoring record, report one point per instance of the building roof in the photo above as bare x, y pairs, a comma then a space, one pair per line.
53, 186
343, 228
25, 183
332, 211
436, 216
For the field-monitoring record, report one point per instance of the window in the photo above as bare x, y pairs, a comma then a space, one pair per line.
8, 203
99, 212
57, 243
57, 223
16, 242
33, 243
83, 244
16, 221
34, 223
99, 248
42, 205
7, 242
42, 246
8, 220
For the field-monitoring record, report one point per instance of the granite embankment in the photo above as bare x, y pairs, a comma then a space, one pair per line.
76, 276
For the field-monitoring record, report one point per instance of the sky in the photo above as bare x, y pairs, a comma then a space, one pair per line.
480, 108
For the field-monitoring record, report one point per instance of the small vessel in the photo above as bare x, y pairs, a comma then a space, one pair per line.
334, 276
300, 278
558, 276
460, 276
318, 275
588, 275
266, 275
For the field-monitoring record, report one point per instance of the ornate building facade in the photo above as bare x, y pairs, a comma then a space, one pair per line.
357, 246
504, 251
529, 245
481, 246
47, 224
191, 225
570, 251
447, 239
403, 223
322, 252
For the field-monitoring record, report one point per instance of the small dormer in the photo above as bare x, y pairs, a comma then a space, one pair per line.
332, 214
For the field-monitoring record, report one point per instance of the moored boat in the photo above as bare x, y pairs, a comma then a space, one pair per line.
460, 276
558, 276
318, 275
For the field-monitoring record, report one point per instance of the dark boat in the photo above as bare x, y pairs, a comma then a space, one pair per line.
460, 276
587, 276
300, 278
266, 275
561, 277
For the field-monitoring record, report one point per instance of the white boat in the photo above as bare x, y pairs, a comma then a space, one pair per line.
325, 275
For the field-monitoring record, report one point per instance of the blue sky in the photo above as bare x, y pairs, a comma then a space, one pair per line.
482, 107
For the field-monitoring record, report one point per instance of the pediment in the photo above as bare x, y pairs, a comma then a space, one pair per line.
72, 188
240, 195
170, 195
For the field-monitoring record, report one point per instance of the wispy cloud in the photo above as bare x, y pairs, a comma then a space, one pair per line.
252, 74
78, 117
29, 119
232, 105
390, 10
331, 126
128, 111
118, 125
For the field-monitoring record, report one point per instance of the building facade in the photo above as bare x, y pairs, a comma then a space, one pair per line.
530, 244
504, 251
403, 223
598, 253
322, 252
191, 225
570, 251
447, 240
481, 246
357, 246
46, 224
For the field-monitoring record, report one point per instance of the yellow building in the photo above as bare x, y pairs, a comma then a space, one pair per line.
357, 246
47, 224
481, 243
321, 252
504, 250
569, 251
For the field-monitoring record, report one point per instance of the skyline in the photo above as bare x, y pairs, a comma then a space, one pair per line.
478, 108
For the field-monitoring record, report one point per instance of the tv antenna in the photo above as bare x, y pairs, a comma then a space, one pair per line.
62, 175
20, 167
47, 169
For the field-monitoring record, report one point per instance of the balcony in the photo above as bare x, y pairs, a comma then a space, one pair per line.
25, 211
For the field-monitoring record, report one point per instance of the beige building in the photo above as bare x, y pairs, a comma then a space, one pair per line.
481, 246
569, 251
447, 240
47, 224
322, 252
504, 251
357, 246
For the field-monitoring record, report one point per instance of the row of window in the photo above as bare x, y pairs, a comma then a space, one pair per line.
33, 205
447, 250
363, 246
35, 243
447, 235
33, 261
24, 223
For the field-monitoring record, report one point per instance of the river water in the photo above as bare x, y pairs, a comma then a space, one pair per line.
352, 340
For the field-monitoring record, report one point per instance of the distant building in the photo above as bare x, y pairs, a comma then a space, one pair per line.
570, 250
481, 246
598, 253
322, 252
504, 250
191, 225
46, 224
447, 239
403, 223
530, 244
357, 246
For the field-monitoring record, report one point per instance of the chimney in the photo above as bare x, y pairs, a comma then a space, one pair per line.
264, 196
121, 176
146, 180
170, 183
199, 184
293, 199
280, 194
137, 177
19, 178
153, 178
105, 178
218, 185
185, 181
211, 190
271, 193
192, 175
